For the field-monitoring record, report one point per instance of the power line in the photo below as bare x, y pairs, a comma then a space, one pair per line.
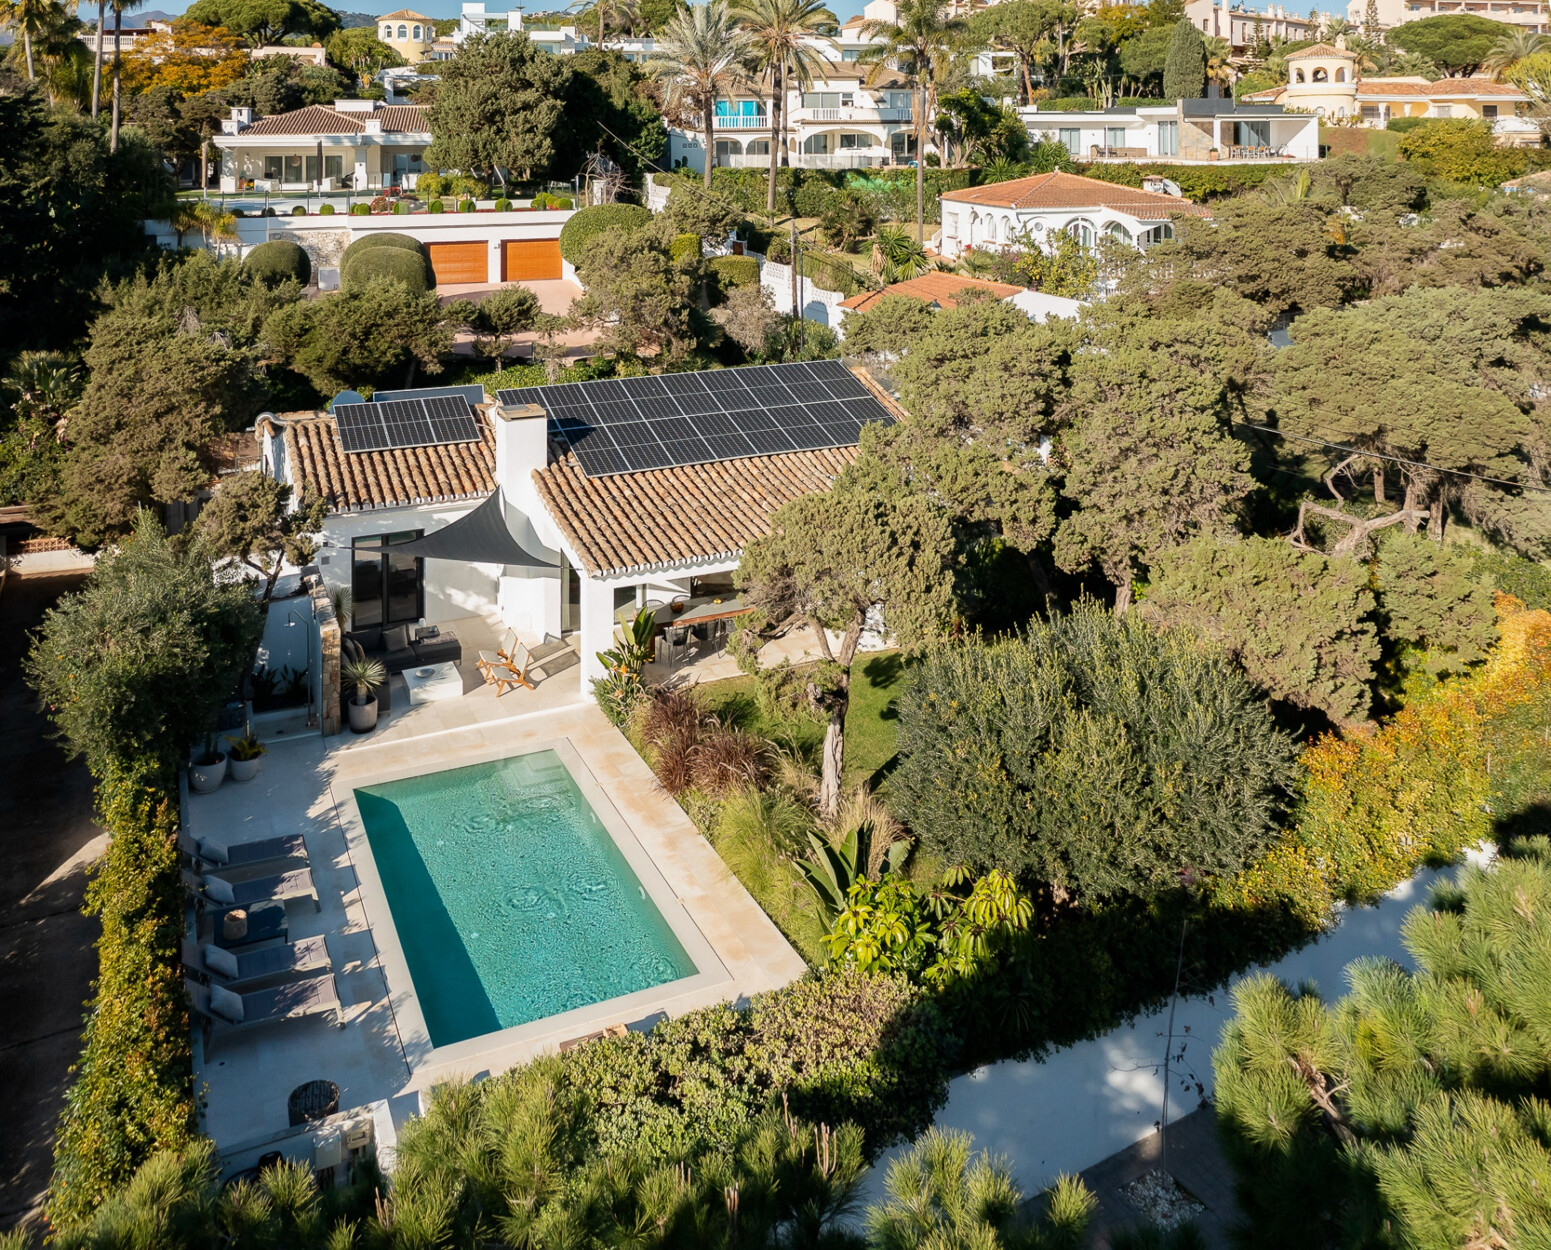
1378, 455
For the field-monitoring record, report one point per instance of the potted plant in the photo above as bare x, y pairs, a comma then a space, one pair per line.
364, 676
207, 770
1212, 155
245, 754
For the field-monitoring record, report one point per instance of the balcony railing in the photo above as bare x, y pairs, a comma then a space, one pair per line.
851, 158
742, 121
852, 113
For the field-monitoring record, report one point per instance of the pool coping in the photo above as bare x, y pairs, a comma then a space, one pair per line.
537, 1036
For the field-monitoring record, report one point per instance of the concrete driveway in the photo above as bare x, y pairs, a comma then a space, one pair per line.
47, 960
554, 297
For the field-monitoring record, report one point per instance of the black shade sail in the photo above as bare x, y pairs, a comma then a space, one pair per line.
482, 536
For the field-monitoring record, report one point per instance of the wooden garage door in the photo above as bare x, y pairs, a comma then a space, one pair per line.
459, 262
530, 260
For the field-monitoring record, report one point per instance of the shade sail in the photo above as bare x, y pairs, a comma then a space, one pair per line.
483, 536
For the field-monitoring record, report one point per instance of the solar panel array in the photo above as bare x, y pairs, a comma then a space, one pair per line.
626, 425
406, 423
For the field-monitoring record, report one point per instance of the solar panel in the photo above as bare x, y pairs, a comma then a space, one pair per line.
424, 422
627, 425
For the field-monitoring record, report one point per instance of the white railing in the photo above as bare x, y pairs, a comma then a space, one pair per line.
861, 158
742, 121
853, 114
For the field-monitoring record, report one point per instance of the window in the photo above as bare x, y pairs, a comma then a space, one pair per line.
1489, 111
856, 141
1115, 137
1443, 110
1298, 76
1071, 139
386, 589
1082, 231
1168, 138
273, 168
387, 33
416, 34
333, 166
1321, 76
403, 31
757, 147
293, 169
1370, 112
821, 99
847, 99
1119, 233
1340, 75
850, 54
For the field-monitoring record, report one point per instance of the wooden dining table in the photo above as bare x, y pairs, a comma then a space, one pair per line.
697, 611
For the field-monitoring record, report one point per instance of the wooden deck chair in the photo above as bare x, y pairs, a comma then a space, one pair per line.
497, 671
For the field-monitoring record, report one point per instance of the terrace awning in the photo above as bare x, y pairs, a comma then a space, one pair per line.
483, 536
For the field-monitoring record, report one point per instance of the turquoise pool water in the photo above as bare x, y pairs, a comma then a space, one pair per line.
510, 898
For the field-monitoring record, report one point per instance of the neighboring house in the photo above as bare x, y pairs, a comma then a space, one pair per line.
314, 55
600, 542
1531, 14
128, 36
1245, 28
1002, 214
1326, 80
358, 145
412, 35
947, 290
1183, 132
838, 122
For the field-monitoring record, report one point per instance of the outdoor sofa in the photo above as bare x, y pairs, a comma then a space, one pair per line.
398, 649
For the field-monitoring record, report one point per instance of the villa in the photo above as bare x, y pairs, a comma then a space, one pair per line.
355, 144
1182, 133
1039, 207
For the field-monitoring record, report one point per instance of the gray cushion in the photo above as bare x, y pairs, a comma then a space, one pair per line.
226, 1004
396, 638
221, 962
220, 891
213, 852
370, 638
439, 651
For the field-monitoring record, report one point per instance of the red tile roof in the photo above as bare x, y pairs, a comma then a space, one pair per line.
1058, 190
320, 119
933, 288
1317, 50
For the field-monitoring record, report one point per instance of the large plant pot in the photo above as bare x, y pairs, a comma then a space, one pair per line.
203, 778
244, 770
363, 716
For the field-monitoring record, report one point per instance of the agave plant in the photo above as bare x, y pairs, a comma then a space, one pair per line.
869, 846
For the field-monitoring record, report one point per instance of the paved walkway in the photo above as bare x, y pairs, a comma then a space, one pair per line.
47, 837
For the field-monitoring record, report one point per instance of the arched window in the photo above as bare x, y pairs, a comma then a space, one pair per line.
1298, 76
1321, 76
1082, 231
1119, 233
403, 31
416, 34
1340, 75
387, 33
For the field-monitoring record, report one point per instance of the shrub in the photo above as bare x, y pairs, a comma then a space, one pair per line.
466, 206
360, 210
383, 239
382, 204
431, 186
684, 247
436, 206
503, 205
735, 271
590, 222
299, 211
810, 197
545, 199
403, 208
268, 212
1404, 125
466, 188
410, 268
1097, 754
277, 260
325, 210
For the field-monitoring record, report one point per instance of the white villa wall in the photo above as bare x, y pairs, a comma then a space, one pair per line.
817, 304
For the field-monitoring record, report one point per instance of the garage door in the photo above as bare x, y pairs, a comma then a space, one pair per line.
459, 262
530, 260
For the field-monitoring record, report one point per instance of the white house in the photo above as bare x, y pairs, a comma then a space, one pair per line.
1184, 132
352, 144
586, 534
1533, 15
949, 290
1244, 28
999, 215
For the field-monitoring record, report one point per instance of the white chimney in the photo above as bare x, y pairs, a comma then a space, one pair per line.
239, 121
521, 446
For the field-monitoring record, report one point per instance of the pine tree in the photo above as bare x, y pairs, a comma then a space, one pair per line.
1371, 20
1184, 68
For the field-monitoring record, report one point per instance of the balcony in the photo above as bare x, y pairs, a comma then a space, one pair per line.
852, 113
742, 121
850, 158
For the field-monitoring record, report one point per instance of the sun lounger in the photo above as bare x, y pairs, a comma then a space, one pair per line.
234, 968
245, 854
294, 1000
508, 667
282, 886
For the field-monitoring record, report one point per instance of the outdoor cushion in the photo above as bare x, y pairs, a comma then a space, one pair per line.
226, 1004
443, 650
221, 962
213, 851
220, 891
395, 639
370, 639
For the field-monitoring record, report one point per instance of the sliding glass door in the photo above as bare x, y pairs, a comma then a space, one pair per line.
388, 589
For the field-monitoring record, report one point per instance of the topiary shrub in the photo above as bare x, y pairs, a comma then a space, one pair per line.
326, 210
435, 206
360, 210
431, 186
410, 268
278, 260
545, 200
384, 238
299, 211
735, 271
403, 208
503, 205
268, 212
466, 206
684, 247
589, 222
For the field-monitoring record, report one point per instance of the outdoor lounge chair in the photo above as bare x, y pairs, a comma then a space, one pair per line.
313, 996
297, 883
245, 854
233, 968
508, 667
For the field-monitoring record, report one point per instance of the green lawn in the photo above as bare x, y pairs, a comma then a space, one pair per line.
871, 726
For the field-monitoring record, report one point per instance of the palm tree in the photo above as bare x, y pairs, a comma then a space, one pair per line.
622, 12
700, 54
28, 18
1514, 46
120, 7
778, 32
921, 35
1218, 70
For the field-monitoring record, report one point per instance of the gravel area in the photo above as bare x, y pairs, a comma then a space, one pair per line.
1158, 1196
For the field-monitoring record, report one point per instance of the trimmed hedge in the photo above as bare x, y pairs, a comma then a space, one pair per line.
387, 238
1404, 125
436, 206
278, 260
684, 247
413, 269
503, 205
325, 210
588, 222
735, 271
546, 200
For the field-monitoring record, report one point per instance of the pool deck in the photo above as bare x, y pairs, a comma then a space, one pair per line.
305, 785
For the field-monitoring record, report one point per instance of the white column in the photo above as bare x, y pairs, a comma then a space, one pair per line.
597, 627
360, 169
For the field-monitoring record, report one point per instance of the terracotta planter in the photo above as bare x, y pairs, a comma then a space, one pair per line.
363, 716
203, 778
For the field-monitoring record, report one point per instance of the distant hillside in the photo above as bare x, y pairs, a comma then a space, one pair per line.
351, 20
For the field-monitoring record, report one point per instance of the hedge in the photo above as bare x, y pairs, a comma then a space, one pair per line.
893, 192
386, 238
1402, 125
684, 247
503, 205
410, 268
277, 260
588, 222
325, 210
735, 271
546, 200
1197, 182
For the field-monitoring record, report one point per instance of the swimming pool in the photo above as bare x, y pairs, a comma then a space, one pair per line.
511, 899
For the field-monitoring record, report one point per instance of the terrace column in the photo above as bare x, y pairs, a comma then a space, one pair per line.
597, 626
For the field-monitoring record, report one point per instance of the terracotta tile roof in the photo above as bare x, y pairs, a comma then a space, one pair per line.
1446, 87
407, 14
357, 481
320, 119
669, 516
1058, 190
933, 288
1319, 49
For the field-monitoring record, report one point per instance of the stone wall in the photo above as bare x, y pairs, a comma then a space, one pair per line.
329, 638
325, 247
